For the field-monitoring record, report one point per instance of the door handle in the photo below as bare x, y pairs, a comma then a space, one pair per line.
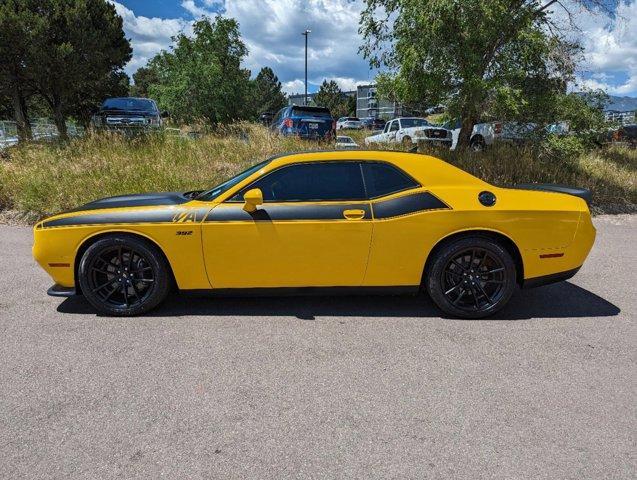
354, 214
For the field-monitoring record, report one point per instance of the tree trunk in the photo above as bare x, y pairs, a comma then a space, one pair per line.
59, 119
466, 129
20, 113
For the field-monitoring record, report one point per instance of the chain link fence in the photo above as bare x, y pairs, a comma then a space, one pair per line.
41, 128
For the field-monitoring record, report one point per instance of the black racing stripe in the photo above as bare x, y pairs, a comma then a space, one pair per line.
234, 212
162, 199
147, 216
417, 202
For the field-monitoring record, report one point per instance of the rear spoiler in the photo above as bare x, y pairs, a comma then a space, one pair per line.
582, 193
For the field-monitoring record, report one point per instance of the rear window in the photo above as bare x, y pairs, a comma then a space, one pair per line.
311, 111
382, 179
135, 104
413, 122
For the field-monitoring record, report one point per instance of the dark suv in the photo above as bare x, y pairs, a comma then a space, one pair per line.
127, 113
305, 122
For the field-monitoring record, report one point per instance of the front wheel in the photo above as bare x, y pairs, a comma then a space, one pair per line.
406, 141
123, 275
472, 277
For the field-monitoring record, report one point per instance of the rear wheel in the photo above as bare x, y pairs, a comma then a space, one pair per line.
123, 275
472, 277
477, 144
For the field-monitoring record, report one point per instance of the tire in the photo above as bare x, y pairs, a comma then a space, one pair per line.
140, 285
406, 141
471, 285
477, 144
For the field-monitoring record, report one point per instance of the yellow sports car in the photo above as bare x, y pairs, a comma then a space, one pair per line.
346, 221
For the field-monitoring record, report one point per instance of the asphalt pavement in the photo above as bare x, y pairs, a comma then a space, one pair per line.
323, 387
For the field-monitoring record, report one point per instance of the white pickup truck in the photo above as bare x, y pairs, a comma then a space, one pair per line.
485, 134
410, 131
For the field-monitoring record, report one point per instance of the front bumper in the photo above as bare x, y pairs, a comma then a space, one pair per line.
60, 291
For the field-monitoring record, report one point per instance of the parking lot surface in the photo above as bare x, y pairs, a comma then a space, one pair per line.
322, 387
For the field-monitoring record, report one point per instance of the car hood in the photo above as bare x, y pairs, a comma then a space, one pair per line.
136, 200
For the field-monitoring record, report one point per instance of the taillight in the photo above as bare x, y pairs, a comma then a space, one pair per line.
498, 127
287, 123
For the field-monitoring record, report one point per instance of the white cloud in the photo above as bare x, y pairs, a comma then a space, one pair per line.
293, 86
148, 36
272, 31
195, 10
610, 48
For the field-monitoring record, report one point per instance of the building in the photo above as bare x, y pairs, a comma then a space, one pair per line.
297, 98
368, 104
623, 118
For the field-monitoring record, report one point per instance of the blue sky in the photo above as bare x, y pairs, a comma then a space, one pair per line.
272, 31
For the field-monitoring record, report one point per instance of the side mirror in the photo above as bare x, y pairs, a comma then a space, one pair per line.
252, 198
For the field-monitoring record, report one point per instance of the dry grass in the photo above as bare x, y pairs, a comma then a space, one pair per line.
41, 179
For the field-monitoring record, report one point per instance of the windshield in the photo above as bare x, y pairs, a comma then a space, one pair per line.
135, 104
413, 122
225, 186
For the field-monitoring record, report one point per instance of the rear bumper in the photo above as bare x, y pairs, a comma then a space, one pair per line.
60, 291
548, 279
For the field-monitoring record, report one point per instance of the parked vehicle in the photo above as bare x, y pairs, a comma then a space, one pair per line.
411, 131
625, 134
344, 142
305, 122
382, 221
128, 113
373, 123
348, 122
266, 118
486, 133
435, 109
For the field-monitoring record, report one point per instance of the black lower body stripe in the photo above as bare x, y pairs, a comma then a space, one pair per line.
167, 215
232, 212
416, 202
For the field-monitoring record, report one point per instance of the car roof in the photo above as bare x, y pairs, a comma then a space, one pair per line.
426, 169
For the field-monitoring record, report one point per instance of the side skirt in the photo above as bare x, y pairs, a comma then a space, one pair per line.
303, 291
548, 279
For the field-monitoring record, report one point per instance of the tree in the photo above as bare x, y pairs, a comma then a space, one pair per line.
18, 21
471, 54
77, 52
88, 98
201, 77
268, 96
331, 96
144, 77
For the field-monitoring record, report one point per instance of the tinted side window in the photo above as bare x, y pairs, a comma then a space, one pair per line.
394, 126
311, 182
383, 179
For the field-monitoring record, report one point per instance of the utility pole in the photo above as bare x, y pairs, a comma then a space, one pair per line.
305, 34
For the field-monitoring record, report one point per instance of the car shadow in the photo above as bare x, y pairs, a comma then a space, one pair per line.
562, 300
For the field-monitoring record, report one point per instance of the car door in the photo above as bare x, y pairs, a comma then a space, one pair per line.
393, 130
313, 230
404, 215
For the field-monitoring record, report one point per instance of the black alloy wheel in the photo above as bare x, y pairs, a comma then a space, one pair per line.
472, 278
123, 275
